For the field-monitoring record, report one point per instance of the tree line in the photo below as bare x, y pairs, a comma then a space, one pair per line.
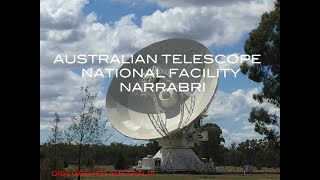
259, 153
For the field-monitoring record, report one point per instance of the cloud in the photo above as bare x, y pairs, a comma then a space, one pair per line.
65, 29
78, 34
89, 38
231, 105
247, 127
233, 61
210, 25
246, 132
240, 137
184, 3
60, 92
45, 126
61, 14
225, 131
231, 112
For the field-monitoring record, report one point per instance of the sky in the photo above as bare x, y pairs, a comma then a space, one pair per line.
126, 26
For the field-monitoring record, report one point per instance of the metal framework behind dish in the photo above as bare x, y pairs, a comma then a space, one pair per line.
158, 122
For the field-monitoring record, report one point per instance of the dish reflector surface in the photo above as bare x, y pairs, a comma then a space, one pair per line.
148, 115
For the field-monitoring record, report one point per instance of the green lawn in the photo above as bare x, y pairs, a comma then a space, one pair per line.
186, 177
240, 169
224, 169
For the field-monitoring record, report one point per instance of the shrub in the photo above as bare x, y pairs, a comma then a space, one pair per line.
90, 163
121, 162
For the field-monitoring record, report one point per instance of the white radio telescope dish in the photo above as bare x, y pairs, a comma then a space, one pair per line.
154, 115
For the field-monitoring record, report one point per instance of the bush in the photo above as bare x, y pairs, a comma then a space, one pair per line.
65, 164
90, 163
45, 170
121, 162
58, 163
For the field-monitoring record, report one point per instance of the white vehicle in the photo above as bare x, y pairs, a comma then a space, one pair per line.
151, 163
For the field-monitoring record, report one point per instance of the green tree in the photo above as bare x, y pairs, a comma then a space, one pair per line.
121, 162
57, 135
152, 147
213, 148
45, 164
265, 40
54, 139
233, 157
87, 127
249, 149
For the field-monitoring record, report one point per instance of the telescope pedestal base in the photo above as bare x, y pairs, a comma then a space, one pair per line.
174, 159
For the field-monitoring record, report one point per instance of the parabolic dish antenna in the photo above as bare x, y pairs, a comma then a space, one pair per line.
157, 114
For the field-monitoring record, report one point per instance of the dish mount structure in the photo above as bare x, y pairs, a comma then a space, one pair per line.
170, 117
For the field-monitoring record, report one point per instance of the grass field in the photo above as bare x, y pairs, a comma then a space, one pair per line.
222, 169
187, 177
219, 169
240, 169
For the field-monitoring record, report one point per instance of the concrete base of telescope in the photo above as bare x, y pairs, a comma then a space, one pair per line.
182, 159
